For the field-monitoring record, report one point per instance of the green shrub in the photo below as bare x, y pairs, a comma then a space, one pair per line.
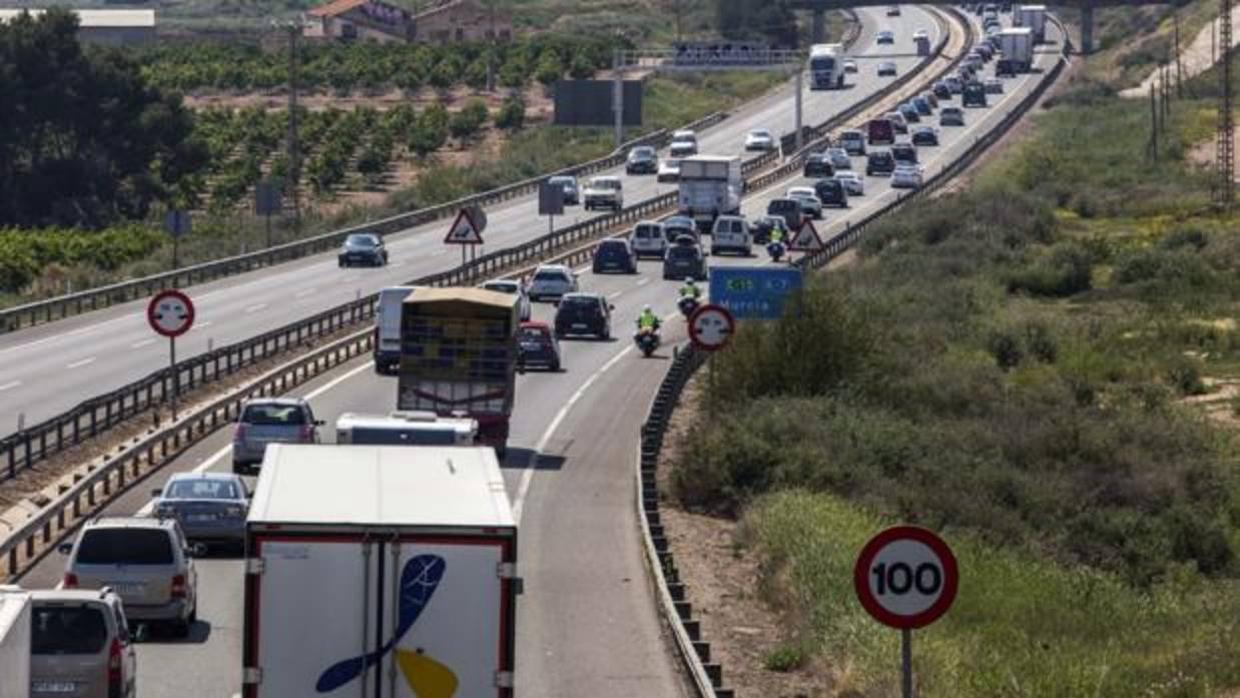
511, 115
468, 120
785, 658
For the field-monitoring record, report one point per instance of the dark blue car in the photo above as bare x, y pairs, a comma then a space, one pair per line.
615, 255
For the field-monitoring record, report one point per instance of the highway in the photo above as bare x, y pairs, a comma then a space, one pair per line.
47, 369
587, 623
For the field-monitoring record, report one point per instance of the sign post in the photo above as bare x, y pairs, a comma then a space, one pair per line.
267, 202
906, 578
711, 328
467, 229
171, 313
177, 223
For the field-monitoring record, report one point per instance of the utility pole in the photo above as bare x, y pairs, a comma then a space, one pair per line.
797, 89
1225, 145
1179, 66
491, 55
617, 63
294, 151
1153, 123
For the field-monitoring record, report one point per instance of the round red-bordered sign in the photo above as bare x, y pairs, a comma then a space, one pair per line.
170, 313
906, 577
711, 327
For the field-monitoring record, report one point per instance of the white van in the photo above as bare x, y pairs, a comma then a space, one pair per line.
387, 328
648, 239
731, 234
405, 429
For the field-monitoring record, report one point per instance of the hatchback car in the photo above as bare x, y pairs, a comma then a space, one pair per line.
537, 346
954, 84
810, 203
910, 113
925, 135
899, 124
676, 227
512, 287
852, 182
879, 162
669, 170
615, 255
791, 210
839, 158
567, 184
210, 507
684, 144
951, 116
642, 160
853, 142
885, 36
922, 105
685, 260
362, 248
886, 69
271, 420
648, 239
941, 90
904, 154
817, 165
550, 281
80, 645
146, 561
906, 177
759, 139
583, 314
831, 193
931, 98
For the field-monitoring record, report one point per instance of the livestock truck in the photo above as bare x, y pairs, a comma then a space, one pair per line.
14, 643
1016, 51
379, 571
710, 186
458, 357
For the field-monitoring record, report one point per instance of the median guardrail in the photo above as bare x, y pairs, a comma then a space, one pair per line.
101, 413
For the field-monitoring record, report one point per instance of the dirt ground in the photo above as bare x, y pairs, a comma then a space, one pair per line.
1195, 59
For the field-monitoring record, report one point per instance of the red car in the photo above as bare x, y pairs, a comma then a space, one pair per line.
538, 346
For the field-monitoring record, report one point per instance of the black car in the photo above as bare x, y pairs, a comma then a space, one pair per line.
583, 314
974, 94
538, 347
363, 248
818, 165
760, 229
685, 260
910, 113
879, 162
904, 154
942, 91
925, 135
676, 226
642, 160
831, 192
615, 255
567, 184
791, 210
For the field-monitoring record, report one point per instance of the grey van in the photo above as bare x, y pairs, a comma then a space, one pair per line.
80, 645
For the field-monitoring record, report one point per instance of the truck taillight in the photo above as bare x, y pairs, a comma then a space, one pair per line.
70, 581
178, 586
116, 668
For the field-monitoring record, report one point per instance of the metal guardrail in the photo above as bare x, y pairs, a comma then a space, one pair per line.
51, 309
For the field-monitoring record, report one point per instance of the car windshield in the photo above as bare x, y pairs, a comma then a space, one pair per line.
605, 184
533, 334
202, 489
273, 415
580, 303
361, 241
549, 275
683, 252
562, 181
643, 152
761, 133
60, 630
125, 546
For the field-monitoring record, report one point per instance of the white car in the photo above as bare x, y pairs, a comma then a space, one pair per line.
853, 183
669, 170
921, 34
552, 281
513, 287
811, 205
906, 177
850, 66
759, 139
604, 192
684, 144
885, 36
839, 159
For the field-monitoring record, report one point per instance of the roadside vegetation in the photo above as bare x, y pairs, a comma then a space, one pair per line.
1046, 369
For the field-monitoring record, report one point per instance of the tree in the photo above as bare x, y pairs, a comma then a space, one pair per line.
511, 114
769, 20
549, 68
84, 140
467, 121
582, 67
430, 132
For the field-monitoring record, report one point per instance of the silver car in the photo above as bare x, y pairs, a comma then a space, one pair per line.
146, 561
210, 507
839, 159
551, 282
512, 287
810, 203
853, 183
80, 645
271, 420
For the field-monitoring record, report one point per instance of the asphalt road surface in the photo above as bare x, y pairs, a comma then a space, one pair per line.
47, 369
587, 623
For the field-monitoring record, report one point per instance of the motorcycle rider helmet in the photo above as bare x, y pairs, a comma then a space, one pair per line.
646, 308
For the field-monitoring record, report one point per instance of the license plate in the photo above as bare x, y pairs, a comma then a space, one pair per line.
579, 325
531, 346
127, 587
194, 518
54, 686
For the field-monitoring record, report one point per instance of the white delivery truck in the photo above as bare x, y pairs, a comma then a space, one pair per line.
1033, 17
405, 429
14, 643
826, 66
710, 186
379, 571
1016, 51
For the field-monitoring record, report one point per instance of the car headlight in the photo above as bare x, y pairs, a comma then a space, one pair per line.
165, 511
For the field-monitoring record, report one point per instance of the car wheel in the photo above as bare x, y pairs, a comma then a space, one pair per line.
554, 367
239, 468
340, 263
180, 629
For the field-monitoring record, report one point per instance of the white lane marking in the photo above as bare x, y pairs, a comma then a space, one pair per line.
614, 295
643, 281
139, 345
303, 294
436, 253
256, 307
205, 323
83, 362
527, 476
12, 384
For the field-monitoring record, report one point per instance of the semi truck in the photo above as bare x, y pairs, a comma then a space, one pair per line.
380, 571
710, 186
1033, 17
1016, 51
14, 643
826, 66
458, 357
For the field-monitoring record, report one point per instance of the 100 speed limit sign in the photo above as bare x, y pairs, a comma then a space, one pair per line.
906, 577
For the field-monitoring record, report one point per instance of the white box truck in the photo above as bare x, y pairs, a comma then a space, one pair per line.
380, 571
710, 186
826, 66
1033, 17
1016, 51
14, 643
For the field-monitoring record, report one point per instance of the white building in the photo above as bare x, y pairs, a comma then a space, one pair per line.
105, 26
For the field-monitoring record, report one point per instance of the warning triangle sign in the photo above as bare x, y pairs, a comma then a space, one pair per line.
806, 239
463, 231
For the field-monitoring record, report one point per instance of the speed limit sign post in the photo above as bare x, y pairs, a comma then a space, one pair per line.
906, 578
171, 314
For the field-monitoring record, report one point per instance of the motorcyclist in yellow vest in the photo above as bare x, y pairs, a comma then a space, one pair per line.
777, 233
647, 320
690, 290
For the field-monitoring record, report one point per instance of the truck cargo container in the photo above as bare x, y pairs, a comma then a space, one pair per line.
14, 643
826, 66
710, 186
1016, 51
1033, 17
380, 571
458, 357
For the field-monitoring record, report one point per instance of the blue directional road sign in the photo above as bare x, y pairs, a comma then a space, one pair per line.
753, 292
